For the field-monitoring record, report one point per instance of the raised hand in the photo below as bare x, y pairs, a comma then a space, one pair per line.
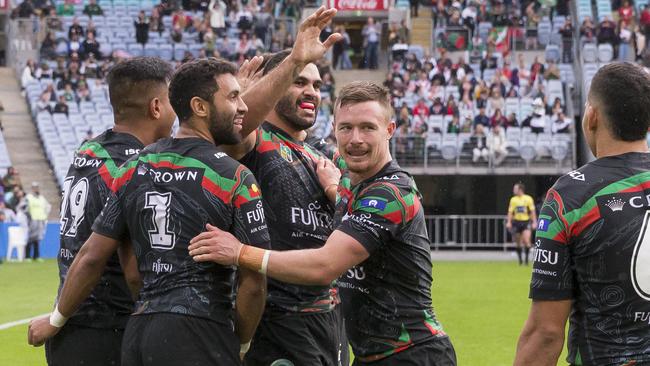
248, 72
307, 47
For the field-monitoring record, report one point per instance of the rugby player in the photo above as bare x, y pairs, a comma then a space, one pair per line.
592, 255
379, 250
161, 199
521, 213
138, 90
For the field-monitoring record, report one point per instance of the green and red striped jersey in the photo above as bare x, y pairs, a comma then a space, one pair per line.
164, 197
593, 247
387, 298
85, 190
298, 213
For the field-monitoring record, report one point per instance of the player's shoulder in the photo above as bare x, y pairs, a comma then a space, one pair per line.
580, 184
392, 181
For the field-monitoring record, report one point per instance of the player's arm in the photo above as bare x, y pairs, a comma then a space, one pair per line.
262, 96
511, 209
129, 265
249, 307
305, 267
85, 271
542, 338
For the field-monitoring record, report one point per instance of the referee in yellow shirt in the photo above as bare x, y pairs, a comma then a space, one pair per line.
521, 214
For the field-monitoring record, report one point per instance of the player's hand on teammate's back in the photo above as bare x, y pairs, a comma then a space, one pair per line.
307, 47
40, 330
248, 72
328, 173
215, 245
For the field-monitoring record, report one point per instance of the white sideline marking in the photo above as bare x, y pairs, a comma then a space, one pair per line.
19, 322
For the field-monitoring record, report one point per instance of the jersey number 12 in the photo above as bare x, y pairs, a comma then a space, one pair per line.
640, 269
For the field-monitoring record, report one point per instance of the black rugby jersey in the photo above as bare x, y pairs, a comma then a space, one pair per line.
593, 247
85, 190
164, 197
387, 298
298, 213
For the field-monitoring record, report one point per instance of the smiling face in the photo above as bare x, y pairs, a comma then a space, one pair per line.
227, 111
299, 104
363, 131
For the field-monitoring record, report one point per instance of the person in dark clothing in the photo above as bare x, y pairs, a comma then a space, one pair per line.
141, 28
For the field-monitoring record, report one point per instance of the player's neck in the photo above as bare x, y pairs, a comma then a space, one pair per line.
358, 177
275, 120
609, 147
187, 130
144, 135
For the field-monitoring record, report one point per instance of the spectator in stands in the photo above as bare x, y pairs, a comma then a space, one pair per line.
469, 16
244, 19
74, 44
156, 21
9, 215
512, 92
181, 20
27, 76
43, 103
555, 109
244, 48
532, 20
371, 36
44, 72
90, 46
644, 21
567, 40
587, 30
60, 70
11, 180
607, 32
83, 93
512, 120
187, 57
61, 106
89, 67
141, 24
403, 116
625, 38
66, 8
25, 9
54, 22
481, 119
552, 72
561, 124
419, 125
454, 125
497, 145
451, 108
75, 28
437, 109
38, 208
415, 4
489, 61
402, 135
496, 100
478, 143
626, 13
69, 94
537, 68
421, 106
538, 121
15, 198
48, 47
639, 42
498, 119
92, 9
218, 11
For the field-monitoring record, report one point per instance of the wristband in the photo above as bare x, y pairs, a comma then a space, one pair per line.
251, 257
57, 319
244, 347
265, 262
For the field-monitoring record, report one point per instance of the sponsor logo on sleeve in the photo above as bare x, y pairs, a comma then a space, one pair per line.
373, 203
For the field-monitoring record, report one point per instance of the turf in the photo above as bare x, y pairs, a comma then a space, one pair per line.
482, 306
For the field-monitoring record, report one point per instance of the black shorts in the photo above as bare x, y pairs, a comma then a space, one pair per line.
316, 339
167, 339
78, 345
519, 227
438, 352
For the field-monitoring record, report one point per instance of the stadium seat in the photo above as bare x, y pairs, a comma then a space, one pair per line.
527, 152
605, 52
590, 53
552, 53
17, 240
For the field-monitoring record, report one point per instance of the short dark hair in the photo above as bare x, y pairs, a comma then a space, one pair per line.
275, 60
131, 78
521, 186
622, 90
364, 91
196, 78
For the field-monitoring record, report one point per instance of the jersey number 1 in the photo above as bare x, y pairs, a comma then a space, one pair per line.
74, 199
639, 269
160, 236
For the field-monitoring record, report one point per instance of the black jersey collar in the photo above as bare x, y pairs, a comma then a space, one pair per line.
617, 160
123, 135
390, 168
275, 129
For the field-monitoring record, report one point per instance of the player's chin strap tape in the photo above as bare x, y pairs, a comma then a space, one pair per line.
254, 258
56, 318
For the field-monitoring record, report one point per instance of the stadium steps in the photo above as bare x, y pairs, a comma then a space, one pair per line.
25, 148
422, 28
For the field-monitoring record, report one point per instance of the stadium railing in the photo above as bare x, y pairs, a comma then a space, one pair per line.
468, 232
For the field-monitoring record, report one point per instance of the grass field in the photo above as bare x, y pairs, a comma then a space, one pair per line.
482, 306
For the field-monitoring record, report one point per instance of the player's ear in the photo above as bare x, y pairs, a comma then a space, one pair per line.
155, 108
391, 129
199, 107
